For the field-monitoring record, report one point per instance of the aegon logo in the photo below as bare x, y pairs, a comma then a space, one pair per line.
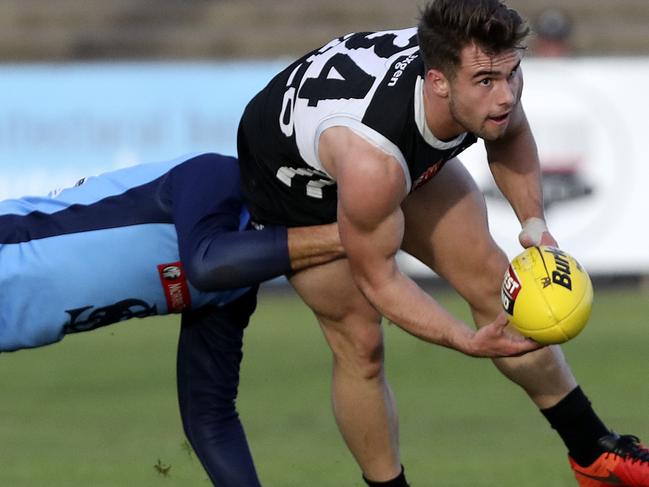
561, 275
400, 68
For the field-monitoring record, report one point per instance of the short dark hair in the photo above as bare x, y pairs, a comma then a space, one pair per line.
447, 26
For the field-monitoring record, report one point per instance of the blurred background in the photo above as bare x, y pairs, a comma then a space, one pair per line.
88, 86
91, 86
68, 30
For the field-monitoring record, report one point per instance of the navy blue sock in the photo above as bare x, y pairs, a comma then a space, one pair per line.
399, 481
209, 356
578, 426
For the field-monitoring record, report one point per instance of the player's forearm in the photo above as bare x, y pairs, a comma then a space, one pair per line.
310, 246
514, 164
399, 299
404, 303
522, 188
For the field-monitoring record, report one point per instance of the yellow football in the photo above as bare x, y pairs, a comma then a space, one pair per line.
547, 295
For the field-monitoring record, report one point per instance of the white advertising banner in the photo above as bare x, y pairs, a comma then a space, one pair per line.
589, 117
59, 123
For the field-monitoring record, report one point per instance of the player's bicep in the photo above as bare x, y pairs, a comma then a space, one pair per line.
371, 250
370, 220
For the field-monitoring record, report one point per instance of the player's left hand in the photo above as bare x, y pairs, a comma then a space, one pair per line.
497, 339
535, 232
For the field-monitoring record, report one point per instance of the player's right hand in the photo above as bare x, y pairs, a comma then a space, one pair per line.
534, 233
495, 340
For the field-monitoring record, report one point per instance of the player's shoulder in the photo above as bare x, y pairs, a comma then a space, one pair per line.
378, 47
203, 179
209, 165
216, 162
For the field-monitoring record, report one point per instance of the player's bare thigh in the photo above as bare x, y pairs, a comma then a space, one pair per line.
446, 228
350, 324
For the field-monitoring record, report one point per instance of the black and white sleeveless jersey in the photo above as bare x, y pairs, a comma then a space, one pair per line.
369, 82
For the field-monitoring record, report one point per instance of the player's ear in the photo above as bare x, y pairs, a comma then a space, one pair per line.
438, 82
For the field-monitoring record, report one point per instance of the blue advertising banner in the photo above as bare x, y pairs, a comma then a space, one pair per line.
59, 123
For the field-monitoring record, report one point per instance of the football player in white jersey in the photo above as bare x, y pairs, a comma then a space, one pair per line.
365, 131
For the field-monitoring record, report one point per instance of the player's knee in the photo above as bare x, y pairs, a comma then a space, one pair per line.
369, 360
494, 270
485, 286
364, 367
360, 354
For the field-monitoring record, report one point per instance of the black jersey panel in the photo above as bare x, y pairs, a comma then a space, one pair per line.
369, 77
392, 113
262, 151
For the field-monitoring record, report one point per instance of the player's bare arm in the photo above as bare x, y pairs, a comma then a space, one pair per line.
514, 163
310, 246
371, 187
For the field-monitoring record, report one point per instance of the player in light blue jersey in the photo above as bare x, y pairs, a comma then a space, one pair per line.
154, 239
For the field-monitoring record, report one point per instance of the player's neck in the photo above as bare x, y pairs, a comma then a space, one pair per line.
439, 119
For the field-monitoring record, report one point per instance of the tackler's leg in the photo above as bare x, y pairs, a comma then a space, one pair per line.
209, 357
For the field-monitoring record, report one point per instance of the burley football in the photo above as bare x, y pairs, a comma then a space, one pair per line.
547, 294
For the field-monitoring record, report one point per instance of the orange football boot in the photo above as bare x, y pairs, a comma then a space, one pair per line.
624, 463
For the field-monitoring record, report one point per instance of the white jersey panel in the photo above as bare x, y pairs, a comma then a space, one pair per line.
359, 66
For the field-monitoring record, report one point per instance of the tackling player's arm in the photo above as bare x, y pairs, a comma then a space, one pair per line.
371, 187
514, 163
207, 206
315, 245
227, 258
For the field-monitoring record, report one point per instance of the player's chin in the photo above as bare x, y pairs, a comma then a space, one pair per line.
492, 134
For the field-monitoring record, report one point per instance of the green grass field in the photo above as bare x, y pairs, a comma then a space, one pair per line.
100, 409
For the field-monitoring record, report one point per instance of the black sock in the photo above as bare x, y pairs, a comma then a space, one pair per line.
399, 481
578, 426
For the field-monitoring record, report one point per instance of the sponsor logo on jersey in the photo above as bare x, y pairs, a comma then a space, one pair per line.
400, 67
171, 272
89, 317
174, 284
427, 175
433, 169
510, 289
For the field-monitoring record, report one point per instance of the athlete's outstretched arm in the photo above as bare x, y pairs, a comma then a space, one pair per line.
217, 255
371, 187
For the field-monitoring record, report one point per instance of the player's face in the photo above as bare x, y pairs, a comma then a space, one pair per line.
485, 91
